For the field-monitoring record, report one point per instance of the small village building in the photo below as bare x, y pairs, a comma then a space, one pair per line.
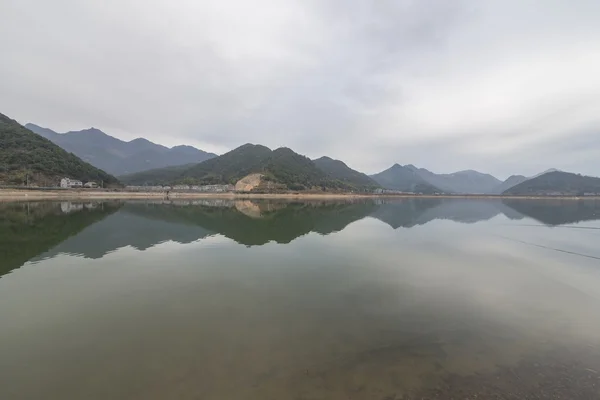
181, 187
70, 183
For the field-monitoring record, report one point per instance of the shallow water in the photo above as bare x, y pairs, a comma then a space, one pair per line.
218, 299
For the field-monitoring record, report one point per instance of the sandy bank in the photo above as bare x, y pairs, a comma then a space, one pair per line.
9, 195
12, 194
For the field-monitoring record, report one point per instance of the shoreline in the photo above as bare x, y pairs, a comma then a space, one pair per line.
26, 194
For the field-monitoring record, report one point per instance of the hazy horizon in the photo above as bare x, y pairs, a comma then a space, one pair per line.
502, 178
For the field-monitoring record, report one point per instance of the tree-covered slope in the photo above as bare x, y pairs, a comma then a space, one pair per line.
338, 170
557, 182
158, 176
282, 166
229, 167
26, 155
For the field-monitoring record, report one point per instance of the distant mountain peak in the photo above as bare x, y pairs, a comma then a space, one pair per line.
284, 149
404, 179
251, 146
324, 158
140, 140
557, 182
29, 124
469, 172
466, 181
93, 131
330, 160
121, 157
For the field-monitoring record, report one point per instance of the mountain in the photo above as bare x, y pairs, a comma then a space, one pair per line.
158, 176
514, 180
468, 181
117, 156
546, 171
25, 155
404, 179
282, 167
338, 170
557, 182
511, 181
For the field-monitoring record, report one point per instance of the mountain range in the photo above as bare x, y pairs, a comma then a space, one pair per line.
141, 162
282, 167
118, 157
409, 178
557, 182
413, 179
26, 157
459, 182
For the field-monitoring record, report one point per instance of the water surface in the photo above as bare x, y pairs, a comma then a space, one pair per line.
219, 299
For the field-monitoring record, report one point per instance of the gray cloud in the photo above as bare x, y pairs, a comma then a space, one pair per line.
503, 87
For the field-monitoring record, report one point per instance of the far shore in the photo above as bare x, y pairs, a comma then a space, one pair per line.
87, 194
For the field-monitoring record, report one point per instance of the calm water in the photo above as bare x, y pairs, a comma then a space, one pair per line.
407, 299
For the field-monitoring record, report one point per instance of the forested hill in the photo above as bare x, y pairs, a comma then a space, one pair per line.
338, 170
25, 155
281, 166
557, 183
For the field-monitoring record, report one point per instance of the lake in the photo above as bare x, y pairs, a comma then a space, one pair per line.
375, 299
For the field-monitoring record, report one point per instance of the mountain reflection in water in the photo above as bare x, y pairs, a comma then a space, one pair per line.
43, 229
367, 299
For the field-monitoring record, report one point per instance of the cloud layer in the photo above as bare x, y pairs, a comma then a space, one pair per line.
500, 86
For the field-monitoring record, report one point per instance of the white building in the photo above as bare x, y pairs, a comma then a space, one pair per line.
181, 187
70, 183
91, 185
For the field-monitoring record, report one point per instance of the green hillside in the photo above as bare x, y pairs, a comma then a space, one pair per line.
228, 168
157, 176
338, 170
26, 155
555, 183
282, 166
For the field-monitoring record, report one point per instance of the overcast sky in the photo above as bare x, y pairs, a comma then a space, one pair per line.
505, 87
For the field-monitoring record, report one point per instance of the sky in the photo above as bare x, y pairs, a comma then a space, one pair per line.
499, 86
